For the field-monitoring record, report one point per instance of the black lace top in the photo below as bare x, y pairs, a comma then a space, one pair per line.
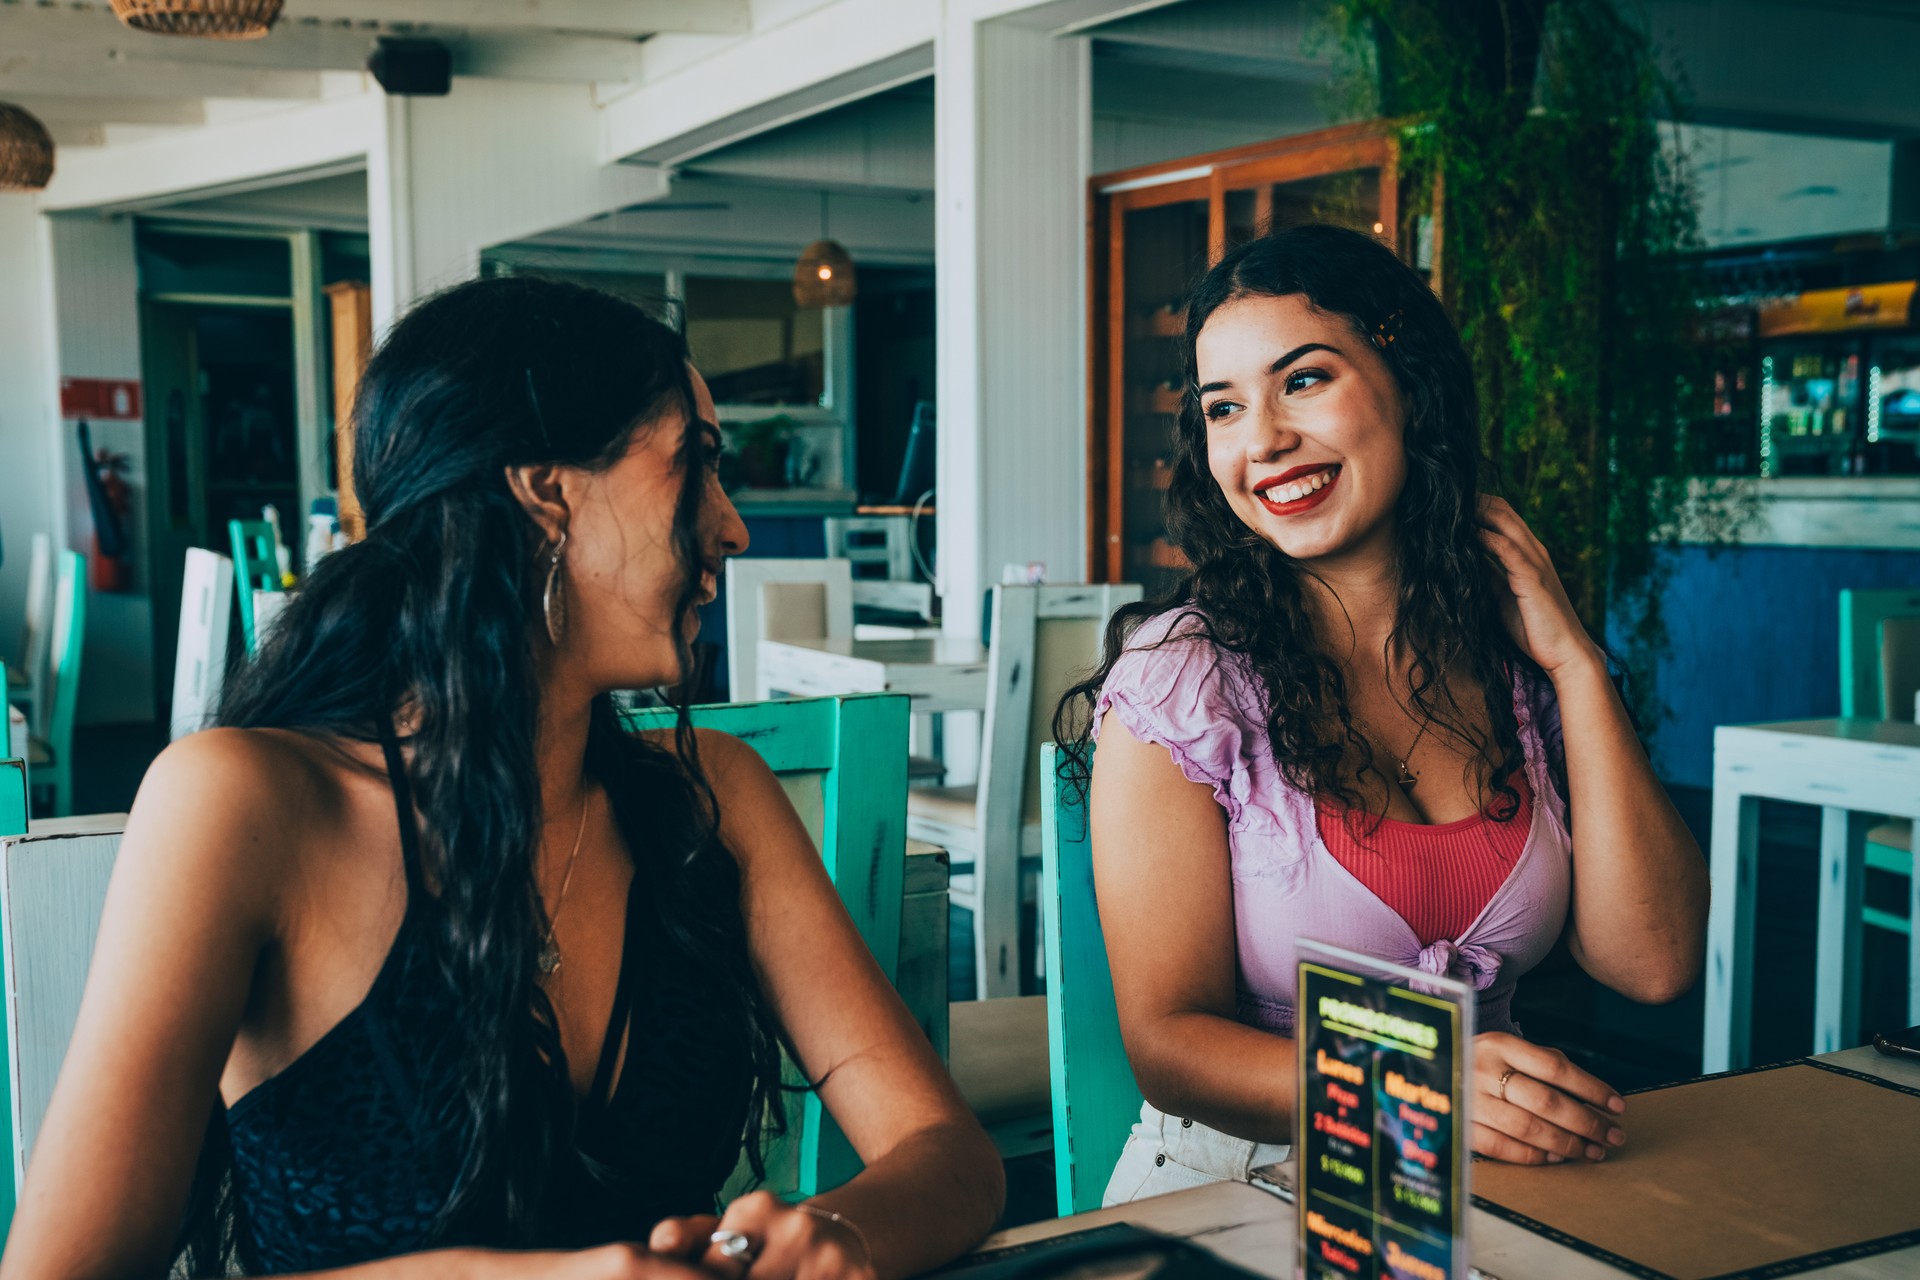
349, 1153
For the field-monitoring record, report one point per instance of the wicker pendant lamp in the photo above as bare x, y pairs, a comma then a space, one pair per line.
207, 19
824, 275
26, 150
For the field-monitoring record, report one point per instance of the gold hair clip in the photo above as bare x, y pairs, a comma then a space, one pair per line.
1387, 330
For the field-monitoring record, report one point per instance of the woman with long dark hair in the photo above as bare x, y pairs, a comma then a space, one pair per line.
1368, 716
422, 962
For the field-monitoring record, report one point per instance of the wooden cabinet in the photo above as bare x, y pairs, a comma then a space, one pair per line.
350, 310
1153, 232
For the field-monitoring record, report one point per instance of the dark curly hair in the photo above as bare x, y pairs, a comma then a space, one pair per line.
1244, 595
433, 615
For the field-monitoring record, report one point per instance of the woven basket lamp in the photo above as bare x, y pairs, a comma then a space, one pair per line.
207, 19
26, 150
824, 276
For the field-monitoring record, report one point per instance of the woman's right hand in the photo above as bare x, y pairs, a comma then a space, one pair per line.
1551, 1110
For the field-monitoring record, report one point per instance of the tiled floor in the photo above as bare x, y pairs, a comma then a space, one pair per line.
1628, 1045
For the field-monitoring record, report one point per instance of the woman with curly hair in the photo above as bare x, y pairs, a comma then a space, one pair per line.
421, 964
1368, 716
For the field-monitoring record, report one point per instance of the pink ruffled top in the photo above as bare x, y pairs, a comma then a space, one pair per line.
1207, 708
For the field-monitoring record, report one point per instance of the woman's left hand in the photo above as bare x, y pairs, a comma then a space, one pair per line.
784, 1242
1537, 611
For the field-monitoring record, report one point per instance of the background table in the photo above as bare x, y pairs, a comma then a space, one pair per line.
937, 674
1254, 1228
1852, 769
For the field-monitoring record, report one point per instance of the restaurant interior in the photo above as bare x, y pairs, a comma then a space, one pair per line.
933, 258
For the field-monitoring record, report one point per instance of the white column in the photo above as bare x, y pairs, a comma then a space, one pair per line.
1012, 129
30, 484
492, 162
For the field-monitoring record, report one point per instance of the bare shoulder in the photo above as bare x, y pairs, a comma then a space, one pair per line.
755, 813
233, 800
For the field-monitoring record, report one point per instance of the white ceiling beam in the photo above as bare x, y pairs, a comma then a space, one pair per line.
614, 17
77, 135
96, 75
115, 110
553, 58
325, 137
836, 54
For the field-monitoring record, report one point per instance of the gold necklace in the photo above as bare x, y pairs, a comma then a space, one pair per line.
550, 954
1407, 778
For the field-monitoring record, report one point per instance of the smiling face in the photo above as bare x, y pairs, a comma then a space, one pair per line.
1305, 427
624, 580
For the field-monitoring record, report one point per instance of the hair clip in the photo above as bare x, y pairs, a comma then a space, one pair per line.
539, 418
1387, 330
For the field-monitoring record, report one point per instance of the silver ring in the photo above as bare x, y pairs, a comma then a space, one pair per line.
734, 1247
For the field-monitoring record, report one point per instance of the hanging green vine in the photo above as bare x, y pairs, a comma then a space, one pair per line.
1532, 137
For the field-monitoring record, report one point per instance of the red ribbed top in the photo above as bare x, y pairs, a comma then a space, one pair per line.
1438, 878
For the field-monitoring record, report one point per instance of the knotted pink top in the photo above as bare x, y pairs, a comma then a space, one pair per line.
1206, 706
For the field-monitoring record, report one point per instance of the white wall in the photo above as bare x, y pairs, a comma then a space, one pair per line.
97, 335
1758, 187
28, 496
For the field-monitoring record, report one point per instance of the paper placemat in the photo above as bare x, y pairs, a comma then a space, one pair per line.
1768, 1172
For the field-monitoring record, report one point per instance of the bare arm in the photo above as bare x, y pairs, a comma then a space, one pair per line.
193, 901
1161, 867
1640, 884
933, 1184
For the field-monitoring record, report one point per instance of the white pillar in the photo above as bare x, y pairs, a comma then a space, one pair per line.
1013, 140
31, 485
492, 162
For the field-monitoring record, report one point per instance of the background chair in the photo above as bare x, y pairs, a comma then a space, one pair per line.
200, 658
27, 684
1095, 1098
1879, 678
1044, 638
842, 761
256, 567
52, 887
50, 754
781, 600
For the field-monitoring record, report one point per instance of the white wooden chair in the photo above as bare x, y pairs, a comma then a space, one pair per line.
200, 660
27, 684
53, 883
1044, 638
781, 600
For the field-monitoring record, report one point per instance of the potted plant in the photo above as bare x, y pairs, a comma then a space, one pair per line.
760, 450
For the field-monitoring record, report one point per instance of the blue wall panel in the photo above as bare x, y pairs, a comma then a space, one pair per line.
1755, 635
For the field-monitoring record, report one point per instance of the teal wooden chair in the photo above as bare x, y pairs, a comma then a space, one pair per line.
256, 567
13, 822
50, 754
1095, 1097
1879, 675
843, 763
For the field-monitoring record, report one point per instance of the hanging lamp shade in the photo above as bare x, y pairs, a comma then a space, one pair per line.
824, 276
26, 150
207, 19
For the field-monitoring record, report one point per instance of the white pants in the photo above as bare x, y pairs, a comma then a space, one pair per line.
1165, 1153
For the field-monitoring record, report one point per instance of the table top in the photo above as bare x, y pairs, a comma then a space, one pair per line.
927, 651
1254, 1228
1888, 733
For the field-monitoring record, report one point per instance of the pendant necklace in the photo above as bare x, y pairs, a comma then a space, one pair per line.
549, 953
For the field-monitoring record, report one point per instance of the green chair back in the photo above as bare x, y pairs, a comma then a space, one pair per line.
1864, 630
1095, 1098
69, 644
843, 762
256, 567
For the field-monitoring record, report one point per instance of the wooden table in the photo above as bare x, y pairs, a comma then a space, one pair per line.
942, 674
1852, 769
1254, 1228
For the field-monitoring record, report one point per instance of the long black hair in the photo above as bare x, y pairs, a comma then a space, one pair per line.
1245, 596
432, 620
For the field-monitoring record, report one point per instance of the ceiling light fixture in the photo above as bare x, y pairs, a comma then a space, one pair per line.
26, 150
824, 275
206, 19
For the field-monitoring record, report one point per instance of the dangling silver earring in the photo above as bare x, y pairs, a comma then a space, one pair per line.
553, 601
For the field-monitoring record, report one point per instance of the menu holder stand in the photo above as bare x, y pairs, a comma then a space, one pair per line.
1383, 1155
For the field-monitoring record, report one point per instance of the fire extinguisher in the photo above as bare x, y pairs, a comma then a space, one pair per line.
110, 498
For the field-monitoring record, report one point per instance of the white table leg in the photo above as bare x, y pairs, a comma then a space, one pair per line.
1836, 1000
1728, 1041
